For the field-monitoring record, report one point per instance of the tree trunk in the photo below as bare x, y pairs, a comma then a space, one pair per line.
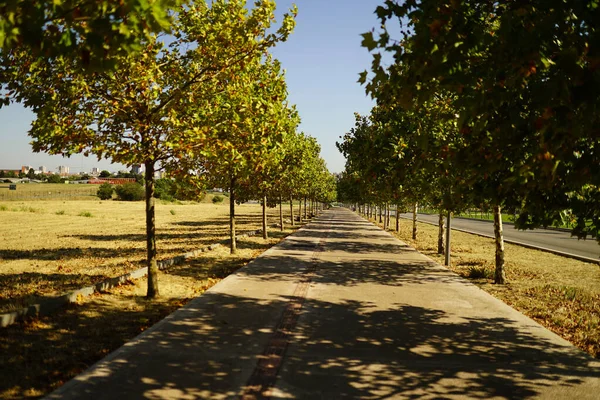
499, 276
380, 212
397, 218
265, 234
448, 237
415, 218
233, 244
281, 212
387, 207
305, 215
292, 210
300, 210
385, 216
441, 232
153, 291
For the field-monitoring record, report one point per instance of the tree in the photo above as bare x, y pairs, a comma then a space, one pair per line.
55, 178
139, 113
105, 174
247, 131
522, 75
105, 191
93, 32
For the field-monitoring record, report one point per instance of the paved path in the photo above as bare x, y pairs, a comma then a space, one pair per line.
545, 238
342, 310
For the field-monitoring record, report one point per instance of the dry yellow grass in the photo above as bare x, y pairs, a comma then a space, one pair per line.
39, 355
562, 294
51, 247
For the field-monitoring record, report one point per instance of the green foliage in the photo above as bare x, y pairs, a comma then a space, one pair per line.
480, 273
165, 189
525, 84
3, 207
105, 174
130, 192
86, 214
217, 199
91, 32
60, 212
55, 178
172, 212
105, 191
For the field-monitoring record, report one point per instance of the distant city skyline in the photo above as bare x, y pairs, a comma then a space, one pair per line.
322, 58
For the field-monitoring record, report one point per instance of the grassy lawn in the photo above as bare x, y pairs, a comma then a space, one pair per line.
48, 251
560, 293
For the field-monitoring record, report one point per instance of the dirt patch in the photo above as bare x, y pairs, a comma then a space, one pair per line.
39, 355
560, 293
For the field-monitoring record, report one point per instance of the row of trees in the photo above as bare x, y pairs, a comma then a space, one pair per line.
485, 102
207, 104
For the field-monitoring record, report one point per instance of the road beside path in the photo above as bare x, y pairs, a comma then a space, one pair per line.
555, 240
341, 309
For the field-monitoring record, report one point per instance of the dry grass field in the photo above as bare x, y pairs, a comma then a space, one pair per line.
43, 191
50, 247
560, 293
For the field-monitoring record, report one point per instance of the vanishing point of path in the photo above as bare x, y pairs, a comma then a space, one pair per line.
341, 309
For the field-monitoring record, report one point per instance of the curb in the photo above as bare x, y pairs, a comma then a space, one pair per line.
50, 305
529, 246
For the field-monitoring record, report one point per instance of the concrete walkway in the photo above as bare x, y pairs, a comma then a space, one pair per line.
341, 309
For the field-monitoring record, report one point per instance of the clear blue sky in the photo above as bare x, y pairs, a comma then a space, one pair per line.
322, 57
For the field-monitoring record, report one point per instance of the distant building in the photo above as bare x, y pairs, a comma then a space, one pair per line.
25, 168
63, 170
136, 169
43, 169
95, 171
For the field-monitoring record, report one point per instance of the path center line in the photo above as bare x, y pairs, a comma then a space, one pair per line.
269, 363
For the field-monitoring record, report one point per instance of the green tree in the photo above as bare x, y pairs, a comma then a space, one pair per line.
90, 31
130, 192
31, 173
105, 191
525, 78
55, 178
246, 130
139, 113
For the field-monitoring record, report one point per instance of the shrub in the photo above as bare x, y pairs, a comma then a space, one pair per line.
60, 212
172, 212
105, 191
85, 214
55, 178
164, 189
217, 199
3, 208
130, 192
480, 273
